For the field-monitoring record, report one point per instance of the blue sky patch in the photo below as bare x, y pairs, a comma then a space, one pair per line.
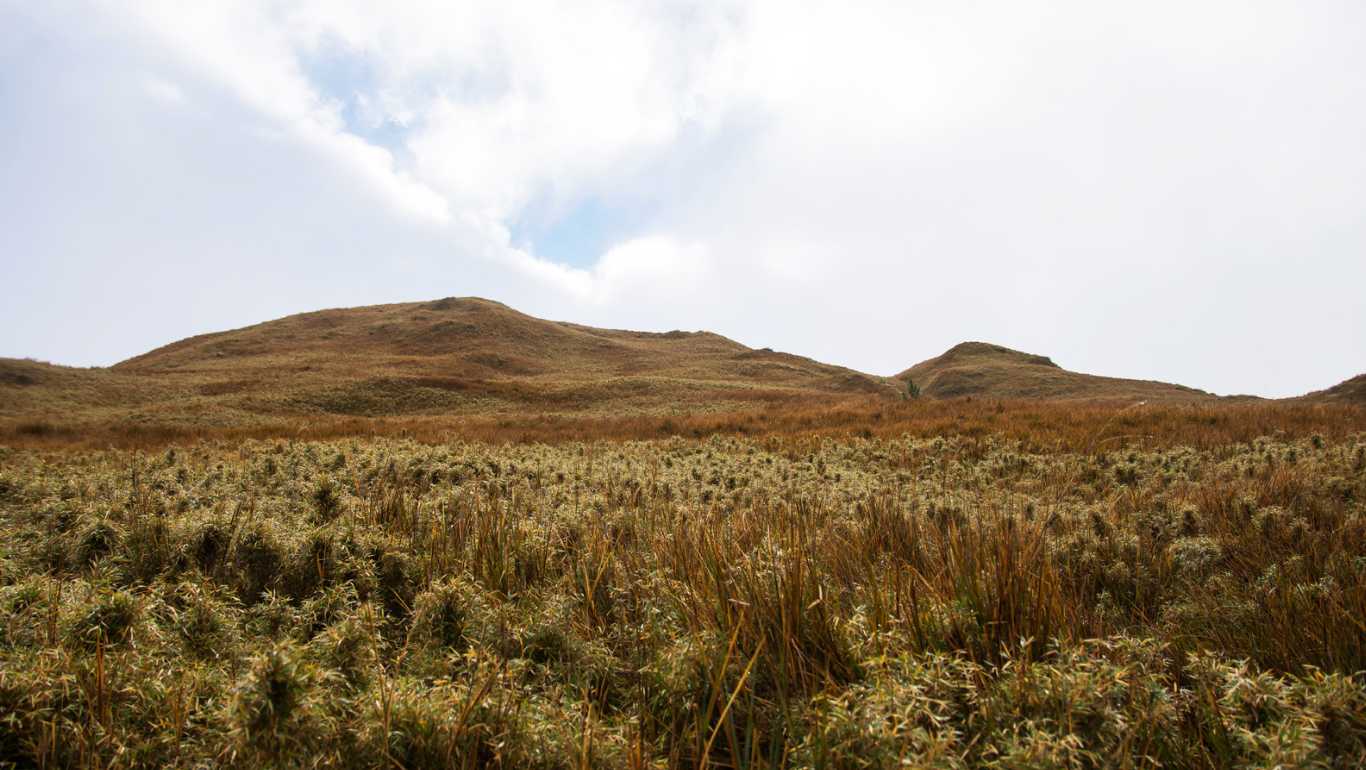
579, 235
347, 77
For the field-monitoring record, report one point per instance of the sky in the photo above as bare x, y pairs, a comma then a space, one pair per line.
1160, 190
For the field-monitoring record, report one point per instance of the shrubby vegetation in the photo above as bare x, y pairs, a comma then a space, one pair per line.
780, 601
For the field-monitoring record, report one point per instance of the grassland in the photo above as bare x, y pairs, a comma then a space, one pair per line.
927, 584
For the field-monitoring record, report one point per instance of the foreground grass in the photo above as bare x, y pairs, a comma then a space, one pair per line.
791, 600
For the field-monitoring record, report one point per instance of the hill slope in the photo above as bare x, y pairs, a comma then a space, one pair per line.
450, 356
1349, 391
991, 371
31, 388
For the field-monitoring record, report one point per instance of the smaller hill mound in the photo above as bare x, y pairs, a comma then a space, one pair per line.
1351, 391
38, 390
992, 371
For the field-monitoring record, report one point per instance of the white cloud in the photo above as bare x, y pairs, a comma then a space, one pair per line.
163, 91
578, 93
864, 182
244, 48
653, 266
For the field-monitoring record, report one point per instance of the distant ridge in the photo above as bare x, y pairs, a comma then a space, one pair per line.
467, 356
985, 370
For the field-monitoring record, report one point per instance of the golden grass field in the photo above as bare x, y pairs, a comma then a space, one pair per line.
804, 567
931, 584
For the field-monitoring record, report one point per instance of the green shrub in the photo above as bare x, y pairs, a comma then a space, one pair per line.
95, 541
326, 501
274, 710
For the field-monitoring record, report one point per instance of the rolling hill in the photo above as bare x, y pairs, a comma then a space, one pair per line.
465, 357
985, 370
449, 356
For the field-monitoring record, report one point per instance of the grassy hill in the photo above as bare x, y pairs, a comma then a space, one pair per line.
458, 359
1349, 391
986, 370
450, 356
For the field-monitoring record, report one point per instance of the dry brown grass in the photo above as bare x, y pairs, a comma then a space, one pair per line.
1085, 427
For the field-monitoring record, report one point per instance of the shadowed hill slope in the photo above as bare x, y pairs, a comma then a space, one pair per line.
985, 370
450, 356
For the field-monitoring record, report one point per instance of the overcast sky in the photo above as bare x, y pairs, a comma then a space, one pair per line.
1163, 190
